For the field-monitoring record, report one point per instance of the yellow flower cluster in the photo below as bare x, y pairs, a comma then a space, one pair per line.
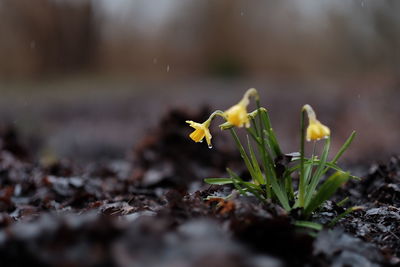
238, 116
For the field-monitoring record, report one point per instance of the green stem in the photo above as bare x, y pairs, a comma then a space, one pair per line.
289, 186
263, 148
212, 116
302, 178
273, 142
309, 171
244, 156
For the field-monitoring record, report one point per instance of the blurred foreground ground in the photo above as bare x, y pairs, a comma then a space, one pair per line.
96, 118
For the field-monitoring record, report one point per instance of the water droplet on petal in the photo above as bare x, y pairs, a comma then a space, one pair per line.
210, 146
201, 141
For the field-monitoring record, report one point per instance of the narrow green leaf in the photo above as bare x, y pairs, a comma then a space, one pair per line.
309, 167
343, 201
344, 147
302, 183
327, 189
273, 142
307, 224
341, 151
235, 182
310, 189
256, 167
254, 189
308, 172
253, 134
289, 186
315, 162
344, 214
282, 197
273, 180
243, 154
218, 181
269, 162
244, 187
265, 156
330, 165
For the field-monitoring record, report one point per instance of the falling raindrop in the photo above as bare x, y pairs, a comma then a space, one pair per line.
155, 60
241, 13
167, 68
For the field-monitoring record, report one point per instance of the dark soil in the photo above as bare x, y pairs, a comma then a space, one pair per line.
151, 211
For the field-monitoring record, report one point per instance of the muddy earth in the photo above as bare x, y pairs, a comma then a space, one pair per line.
150, 210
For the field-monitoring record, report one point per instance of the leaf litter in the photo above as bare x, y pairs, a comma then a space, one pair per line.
124, 213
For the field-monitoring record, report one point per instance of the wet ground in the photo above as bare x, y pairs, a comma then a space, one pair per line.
123, 213
98, 179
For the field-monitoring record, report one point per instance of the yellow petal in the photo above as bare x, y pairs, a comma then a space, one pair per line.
197, 135
194, 124
317, 131
237, 115
201, 131
208, 138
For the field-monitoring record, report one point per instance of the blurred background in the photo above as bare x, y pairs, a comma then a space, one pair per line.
88, 79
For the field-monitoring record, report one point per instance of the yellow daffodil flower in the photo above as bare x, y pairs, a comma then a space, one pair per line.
315, 130
201, 131
237, 114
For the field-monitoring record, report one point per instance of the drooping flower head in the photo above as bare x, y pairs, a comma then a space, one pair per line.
201, 131
315, 130
237, 114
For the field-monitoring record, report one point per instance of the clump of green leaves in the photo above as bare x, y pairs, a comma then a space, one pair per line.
293, 180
